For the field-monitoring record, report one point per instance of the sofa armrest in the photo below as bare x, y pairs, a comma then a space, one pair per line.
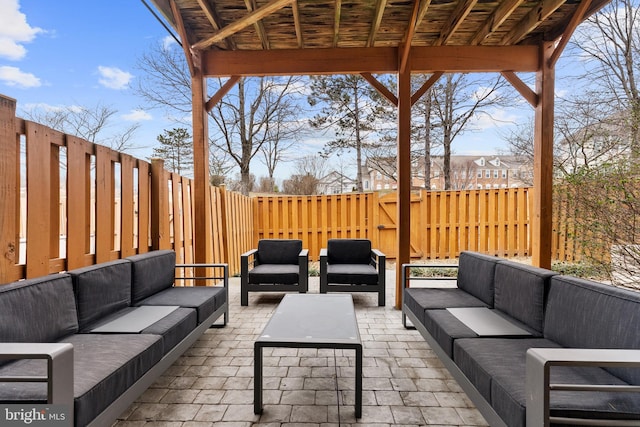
538, 365
379, 260
59, 378
406, 276
213, 271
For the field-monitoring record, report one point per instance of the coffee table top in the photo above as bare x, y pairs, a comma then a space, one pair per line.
313, 319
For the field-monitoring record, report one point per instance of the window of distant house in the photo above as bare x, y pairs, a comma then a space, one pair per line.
379, 187
463, 174
366, 185
504, 173
495, 173
487, 174
479, 186
479, 173
514, 173
436, 174
481, 162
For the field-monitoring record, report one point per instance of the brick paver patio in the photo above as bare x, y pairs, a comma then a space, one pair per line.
404, 383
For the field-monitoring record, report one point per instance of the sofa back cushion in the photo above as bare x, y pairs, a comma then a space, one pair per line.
520, 291
349, 251
151, 273
279, 251
101, 289
38, 310
586, 314
476, 275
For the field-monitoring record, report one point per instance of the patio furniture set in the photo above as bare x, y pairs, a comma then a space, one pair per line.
531, 347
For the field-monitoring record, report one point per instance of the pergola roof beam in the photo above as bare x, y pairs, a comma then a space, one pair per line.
377, 20
537, 15
262, 34
455, 20
499, 15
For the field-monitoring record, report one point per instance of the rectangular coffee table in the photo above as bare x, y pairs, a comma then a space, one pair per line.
310, 321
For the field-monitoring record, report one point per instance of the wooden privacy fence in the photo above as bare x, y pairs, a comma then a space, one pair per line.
443, 223
66, 203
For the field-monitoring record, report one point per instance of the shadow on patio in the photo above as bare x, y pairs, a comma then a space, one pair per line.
404, 383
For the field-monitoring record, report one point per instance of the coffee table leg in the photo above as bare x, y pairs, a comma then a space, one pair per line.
359, 381
257, 379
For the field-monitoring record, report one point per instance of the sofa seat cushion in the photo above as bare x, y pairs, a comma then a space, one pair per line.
151, 272
104, 366
497, 368
101, 290
205, 299
356, 274
275, 273
174, 327
444, 327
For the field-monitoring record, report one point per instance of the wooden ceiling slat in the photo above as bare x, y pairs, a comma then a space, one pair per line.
377, 19
497, 18
296, 23
241, 24
262, 34
537, 15
455, 20
336, 22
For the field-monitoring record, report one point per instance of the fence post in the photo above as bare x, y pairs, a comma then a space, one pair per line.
9, 191
160, 238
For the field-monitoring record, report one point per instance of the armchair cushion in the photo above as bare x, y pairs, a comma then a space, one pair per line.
357, 274
348, 251
205, 299
476, 275
278, 251
275, 273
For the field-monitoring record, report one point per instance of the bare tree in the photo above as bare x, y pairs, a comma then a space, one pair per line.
94, 124
257, 114
456, 101
611, 41
306, 177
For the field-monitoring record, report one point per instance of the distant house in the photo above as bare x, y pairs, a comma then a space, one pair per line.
467, 172
336, 183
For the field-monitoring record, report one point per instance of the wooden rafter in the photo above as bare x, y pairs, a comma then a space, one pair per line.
377, 20
258, 25
424, 7
296, 23
336, 22
243, 23
576, 19
499, 15
177, 18
213, 20
426, 86
411, 29
382, 89
537, 15
527, 93
455, 20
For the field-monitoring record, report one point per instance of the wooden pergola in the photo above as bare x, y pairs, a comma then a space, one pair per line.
236, 38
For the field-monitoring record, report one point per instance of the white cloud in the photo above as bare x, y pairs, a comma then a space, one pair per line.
137, 116
13, 76
113, 77
168, 42
14, 31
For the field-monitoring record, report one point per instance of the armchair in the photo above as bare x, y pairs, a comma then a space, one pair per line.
351, 265
276, 265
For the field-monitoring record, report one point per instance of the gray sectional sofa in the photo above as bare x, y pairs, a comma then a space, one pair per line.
531, 347
93, 339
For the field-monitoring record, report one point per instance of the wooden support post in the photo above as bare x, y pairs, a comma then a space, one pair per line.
202, 205
542, 225
9, 191
404, 178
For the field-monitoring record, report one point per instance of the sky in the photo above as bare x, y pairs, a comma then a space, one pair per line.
84, 53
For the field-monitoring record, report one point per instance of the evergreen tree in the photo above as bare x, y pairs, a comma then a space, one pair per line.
176, 148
